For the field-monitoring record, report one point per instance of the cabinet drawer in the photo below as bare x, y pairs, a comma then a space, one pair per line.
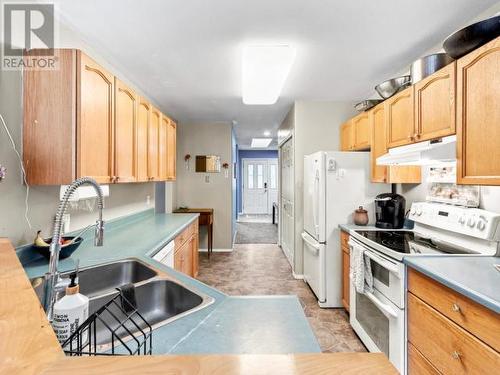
344, 239
418, 364
448, 347
184, 236
478, 320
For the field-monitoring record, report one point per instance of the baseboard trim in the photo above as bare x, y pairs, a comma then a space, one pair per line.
216, 250
298, 277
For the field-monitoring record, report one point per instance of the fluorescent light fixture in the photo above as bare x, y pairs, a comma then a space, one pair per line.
265, 69
267, 133
261, 142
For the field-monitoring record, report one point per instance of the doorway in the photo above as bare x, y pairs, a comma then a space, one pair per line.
260, 186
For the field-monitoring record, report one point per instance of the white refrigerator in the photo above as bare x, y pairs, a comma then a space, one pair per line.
335, 184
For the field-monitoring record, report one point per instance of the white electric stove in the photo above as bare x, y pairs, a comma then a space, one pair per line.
440, 230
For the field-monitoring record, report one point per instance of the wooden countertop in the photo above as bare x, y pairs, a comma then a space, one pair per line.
28, 345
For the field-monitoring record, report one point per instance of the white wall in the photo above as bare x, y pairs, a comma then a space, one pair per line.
43, 201
191, 188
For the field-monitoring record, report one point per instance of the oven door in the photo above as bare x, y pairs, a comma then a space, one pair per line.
379, 324
388, 274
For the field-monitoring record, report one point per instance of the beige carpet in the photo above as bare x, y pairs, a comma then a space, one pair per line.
248, 233
263, 270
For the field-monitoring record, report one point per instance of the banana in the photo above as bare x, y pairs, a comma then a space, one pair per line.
39, 240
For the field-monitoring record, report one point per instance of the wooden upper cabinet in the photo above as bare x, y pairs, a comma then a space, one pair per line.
153, 134
387, 174
478, 116
125, 133
162, 147
80, 120
362, 131
95, 120
171, 151
435, 105
378, 148
143, 116
347, 136
49, 121
399, 119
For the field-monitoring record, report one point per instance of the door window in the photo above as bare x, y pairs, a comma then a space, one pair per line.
250, 176
260, 176
272, 176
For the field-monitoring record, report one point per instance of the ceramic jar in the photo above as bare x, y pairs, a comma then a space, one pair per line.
360, 216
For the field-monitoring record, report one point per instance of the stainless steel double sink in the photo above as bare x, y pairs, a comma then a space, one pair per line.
160, 298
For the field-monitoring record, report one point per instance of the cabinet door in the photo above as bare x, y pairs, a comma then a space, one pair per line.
435, 105
171, 151
183, 258
345, 277
378, 148
362, 131
389, 174
154, 128
346, 137
143, 115
195, 252
399, 119
95, 120
162, 147
478, 116
125, 133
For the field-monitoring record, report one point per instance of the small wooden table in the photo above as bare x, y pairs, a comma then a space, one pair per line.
206, 219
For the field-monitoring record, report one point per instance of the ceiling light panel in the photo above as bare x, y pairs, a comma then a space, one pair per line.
265, 69
261, 142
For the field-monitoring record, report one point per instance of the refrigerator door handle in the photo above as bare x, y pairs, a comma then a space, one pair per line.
315, 203
308, 241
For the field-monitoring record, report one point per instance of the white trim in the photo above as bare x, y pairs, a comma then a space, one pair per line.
297, 276
216, 250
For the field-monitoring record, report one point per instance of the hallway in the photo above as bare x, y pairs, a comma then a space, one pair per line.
262, 269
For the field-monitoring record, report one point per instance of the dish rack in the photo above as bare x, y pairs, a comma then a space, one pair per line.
116, 328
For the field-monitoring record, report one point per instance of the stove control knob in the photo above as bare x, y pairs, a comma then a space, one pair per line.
471, 222
481, 225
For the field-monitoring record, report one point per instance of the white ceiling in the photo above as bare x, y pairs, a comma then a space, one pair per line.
186, 54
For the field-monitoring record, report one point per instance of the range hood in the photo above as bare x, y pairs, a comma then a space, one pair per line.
422, 153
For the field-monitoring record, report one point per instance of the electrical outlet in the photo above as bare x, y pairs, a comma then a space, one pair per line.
148, 200
207, 179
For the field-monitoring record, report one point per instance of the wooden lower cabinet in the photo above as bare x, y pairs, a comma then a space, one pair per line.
418, 364
344, 239
186, 251
439, 341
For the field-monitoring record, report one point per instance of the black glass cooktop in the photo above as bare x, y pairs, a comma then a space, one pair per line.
408, 242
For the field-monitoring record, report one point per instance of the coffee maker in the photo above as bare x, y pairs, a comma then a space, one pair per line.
390, 211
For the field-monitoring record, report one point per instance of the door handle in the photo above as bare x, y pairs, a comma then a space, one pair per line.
265, 185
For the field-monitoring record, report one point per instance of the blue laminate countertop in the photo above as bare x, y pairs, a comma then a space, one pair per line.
472, 276
234, 325
349, 227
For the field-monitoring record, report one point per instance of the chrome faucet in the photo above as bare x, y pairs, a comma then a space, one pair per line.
54, 284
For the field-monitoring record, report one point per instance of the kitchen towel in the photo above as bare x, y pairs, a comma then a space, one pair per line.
360, 269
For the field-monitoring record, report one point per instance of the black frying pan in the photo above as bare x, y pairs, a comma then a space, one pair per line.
471, 37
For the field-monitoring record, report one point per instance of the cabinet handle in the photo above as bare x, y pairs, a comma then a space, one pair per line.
117, 178
455, 308
456, 355
417, 136
410, 137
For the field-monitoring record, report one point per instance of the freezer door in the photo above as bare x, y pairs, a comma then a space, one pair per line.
314, 266
315, 196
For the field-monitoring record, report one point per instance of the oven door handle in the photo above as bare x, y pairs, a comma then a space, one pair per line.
387, 265
385, 308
